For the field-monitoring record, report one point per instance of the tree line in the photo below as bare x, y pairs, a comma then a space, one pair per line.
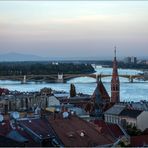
36, 68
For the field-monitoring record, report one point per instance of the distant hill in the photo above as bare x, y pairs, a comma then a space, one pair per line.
12, 56
20, 57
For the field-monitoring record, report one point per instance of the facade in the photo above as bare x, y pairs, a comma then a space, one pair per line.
115, 84
130, 60
23, 102
127, 60
134, 60
142, 121
130, 116
112, 115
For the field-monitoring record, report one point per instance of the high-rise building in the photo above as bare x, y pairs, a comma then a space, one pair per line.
115, 83
127, 60
130, 60
134, 60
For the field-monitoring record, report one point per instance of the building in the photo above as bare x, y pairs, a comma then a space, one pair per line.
115, 84
29, 132
134, 60
107, 128
112, 115
142, 105
7, 142
136, 118
40, 131
139, 141
53, 101
130, 60
99, 100
24, 102
12, 133
4, 91
79, 111
124, 116
76, 132
127, 60
130, 116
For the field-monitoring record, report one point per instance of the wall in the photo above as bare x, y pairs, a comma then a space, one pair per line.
142, 120
130, 121
112, 119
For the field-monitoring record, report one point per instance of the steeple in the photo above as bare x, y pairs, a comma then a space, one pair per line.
115, 84
115, 51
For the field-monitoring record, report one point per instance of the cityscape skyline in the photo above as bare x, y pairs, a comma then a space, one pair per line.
70, 29
73, 73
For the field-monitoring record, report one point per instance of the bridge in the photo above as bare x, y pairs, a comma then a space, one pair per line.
61, 78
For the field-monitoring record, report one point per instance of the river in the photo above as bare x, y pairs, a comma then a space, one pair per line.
128, 91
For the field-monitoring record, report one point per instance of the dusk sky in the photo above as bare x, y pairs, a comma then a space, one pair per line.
75, 28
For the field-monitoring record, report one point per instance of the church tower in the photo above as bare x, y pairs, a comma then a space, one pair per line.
115, 84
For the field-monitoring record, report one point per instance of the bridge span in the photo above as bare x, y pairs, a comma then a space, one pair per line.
64, 77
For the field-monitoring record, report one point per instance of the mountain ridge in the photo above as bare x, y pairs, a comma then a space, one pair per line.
13, 56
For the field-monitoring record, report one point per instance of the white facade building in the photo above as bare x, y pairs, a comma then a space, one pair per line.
119, 114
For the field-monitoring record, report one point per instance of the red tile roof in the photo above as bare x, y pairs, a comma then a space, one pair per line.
102, 91
139, 140
112, 129
115, 130
75, 132
7, 142
38, 126
5, 128
4, 90
31, 142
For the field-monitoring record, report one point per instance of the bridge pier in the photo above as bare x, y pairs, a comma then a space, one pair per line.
98, 77
131, 80
24, 80
60, 78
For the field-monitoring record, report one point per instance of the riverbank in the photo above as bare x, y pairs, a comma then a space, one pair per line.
135, 91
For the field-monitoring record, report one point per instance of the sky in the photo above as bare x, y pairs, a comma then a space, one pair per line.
74, 28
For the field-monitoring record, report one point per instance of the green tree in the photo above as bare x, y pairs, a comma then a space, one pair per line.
72, 90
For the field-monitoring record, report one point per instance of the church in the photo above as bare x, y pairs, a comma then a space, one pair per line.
100, 100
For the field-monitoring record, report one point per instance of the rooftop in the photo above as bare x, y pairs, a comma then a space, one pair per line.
115, 109
7, 142
131, 113
40, 127
100, 92
75, 132
17, 134
139, 141
111, 129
